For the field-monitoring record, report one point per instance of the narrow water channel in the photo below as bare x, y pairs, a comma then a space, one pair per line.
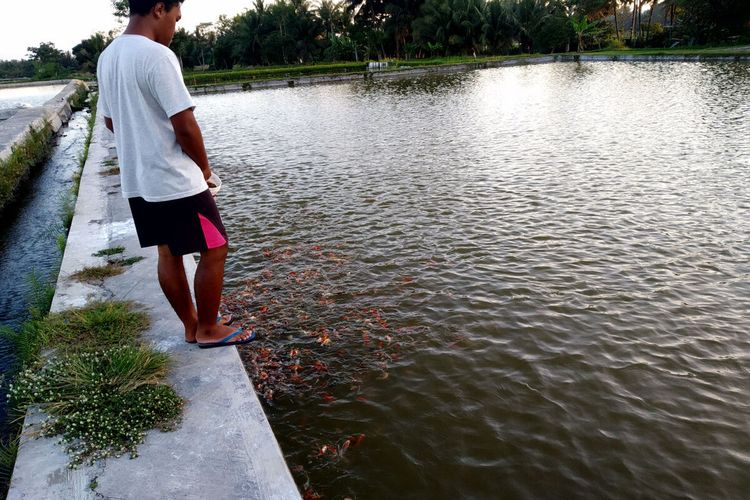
30, 228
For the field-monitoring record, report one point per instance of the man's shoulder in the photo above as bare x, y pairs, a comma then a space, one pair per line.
139, 46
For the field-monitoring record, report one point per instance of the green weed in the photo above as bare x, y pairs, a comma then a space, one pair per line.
98, 273
41, 293
8, 453
62, 242
109, 251
128, 261
25, 343
102, 324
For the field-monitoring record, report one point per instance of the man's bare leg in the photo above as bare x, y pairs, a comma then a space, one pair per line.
175, 286
209, 281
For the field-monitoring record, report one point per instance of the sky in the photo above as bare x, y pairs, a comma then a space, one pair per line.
65, 24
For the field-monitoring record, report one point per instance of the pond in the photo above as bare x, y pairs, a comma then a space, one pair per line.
27, 96
553, 260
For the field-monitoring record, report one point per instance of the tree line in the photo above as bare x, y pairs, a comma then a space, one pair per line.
299, 32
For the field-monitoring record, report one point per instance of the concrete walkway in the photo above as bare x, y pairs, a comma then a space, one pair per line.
224, 448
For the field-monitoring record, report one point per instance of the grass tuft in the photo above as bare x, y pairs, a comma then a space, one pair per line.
25, 343
8, 452
109, 251
128, 261
102, 324
98, 273
62, 242
113, 267
40, 296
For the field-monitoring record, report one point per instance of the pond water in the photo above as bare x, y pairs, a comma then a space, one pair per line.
28, 96
569, 241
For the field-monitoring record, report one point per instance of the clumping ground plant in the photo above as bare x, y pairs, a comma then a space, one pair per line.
92, 274
103, 402
102, 391
113, 267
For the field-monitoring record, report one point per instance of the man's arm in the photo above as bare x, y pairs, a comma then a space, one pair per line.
108, 123
189, 137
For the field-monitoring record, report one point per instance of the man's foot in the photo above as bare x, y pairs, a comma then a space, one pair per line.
218, 332
190, 331
237, 337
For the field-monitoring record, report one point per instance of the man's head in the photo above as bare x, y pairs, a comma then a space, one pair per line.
161, 15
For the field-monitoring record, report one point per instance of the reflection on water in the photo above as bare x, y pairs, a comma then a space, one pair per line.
27, 96
576, 241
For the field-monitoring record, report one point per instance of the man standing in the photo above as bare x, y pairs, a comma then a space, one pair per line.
164, 167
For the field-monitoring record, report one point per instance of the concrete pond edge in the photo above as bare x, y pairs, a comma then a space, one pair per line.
224, 446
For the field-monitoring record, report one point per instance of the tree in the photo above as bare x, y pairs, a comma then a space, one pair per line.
704, 21
50, 62
333, 17
183, 45
16, 69
585, 31
456, 25
121, 8
499, 31
87, 52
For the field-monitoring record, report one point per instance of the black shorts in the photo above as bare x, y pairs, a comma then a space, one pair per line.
186, 225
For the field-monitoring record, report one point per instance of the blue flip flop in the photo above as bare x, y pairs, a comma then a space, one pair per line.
219, 317
227, 341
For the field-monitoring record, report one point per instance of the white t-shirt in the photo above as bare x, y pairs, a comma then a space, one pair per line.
140, 89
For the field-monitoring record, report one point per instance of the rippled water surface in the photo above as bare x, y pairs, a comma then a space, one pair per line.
575, 240
28, 96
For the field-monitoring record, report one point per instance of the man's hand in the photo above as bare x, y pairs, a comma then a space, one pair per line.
189, 137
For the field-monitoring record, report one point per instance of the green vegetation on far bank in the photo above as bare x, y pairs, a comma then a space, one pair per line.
707, 51
280, 73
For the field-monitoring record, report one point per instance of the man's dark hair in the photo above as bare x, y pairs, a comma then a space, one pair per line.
143, 7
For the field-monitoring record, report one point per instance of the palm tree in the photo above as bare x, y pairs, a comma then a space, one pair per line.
528, 16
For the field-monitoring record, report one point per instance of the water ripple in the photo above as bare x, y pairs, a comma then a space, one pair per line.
576, 239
